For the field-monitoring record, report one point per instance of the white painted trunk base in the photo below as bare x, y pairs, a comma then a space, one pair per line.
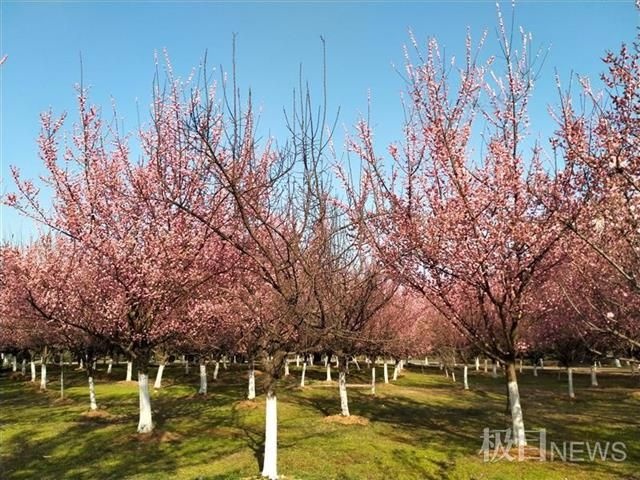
465, 377
203, 379
110, 366
23, 367
92, 395
344, 399
517, 419
33, 371
328, 379
477, 364
426, 361
304, 371
14, 364
270, 467
61, 380
129, 370
297, 361
535, 370
252, 384
572, 394
216, 370
286, 368
486, 365
385, 371
43, 376
494, 371
617, 363
453, 375
395, 372
373, 380
158, 383
145, 424
594, 377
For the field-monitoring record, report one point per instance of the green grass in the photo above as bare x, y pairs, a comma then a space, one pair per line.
421, 427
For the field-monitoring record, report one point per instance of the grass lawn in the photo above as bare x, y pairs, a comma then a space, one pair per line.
421, 427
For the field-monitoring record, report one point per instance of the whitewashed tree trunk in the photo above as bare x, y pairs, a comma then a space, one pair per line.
252, 382
61, 378
373, 380
270, 467
304, 371
328, 372
33, 371
453, 375
158, 383
186, 367
297, 361
145, 424
520, 366
344, 399
477, 364
395, 371
535, 370
14, 363
494, 371
326, 360
426, 361
203, 378
92, 395
224, 362
95, 365
572, 394
286, 368
486, 364
517, 420
465, 377
542, 364
109, 366
23, 367
446, 372
129, 370
385, 370
81, 365
216, 370
311, 360
43, 376
594, 376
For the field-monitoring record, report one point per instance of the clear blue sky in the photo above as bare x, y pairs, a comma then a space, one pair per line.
364, 39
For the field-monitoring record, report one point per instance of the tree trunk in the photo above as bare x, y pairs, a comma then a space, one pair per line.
216, 370
92, 394
129, 370
396, 368
572, 394
61, 378
486, 369
518, 432
617, 363
33, 370
145, 424
158, 383
328, 371
385, 371
270, 467
297, 361
494, 371
355, 361
373, 380
594, 376
23, 367
14, 363
520, 366
426, 361
252, 382
203, 377
304, 371
535, 370
342, 385
186, 367
286, 368
109, 366
477, 364
465, 377
43, 375
453, 375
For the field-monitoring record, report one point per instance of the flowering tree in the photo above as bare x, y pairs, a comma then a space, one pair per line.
601, 144
140, 259
475, 234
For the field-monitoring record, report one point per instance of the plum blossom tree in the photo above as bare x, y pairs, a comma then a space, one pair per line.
469, 232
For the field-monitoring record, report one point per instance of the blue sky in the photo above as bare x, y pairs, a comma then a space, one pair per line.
364, 41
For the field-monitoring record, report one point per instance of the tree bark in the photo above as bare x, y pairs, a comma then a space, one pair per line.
158, 383
517, 419
203, 377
